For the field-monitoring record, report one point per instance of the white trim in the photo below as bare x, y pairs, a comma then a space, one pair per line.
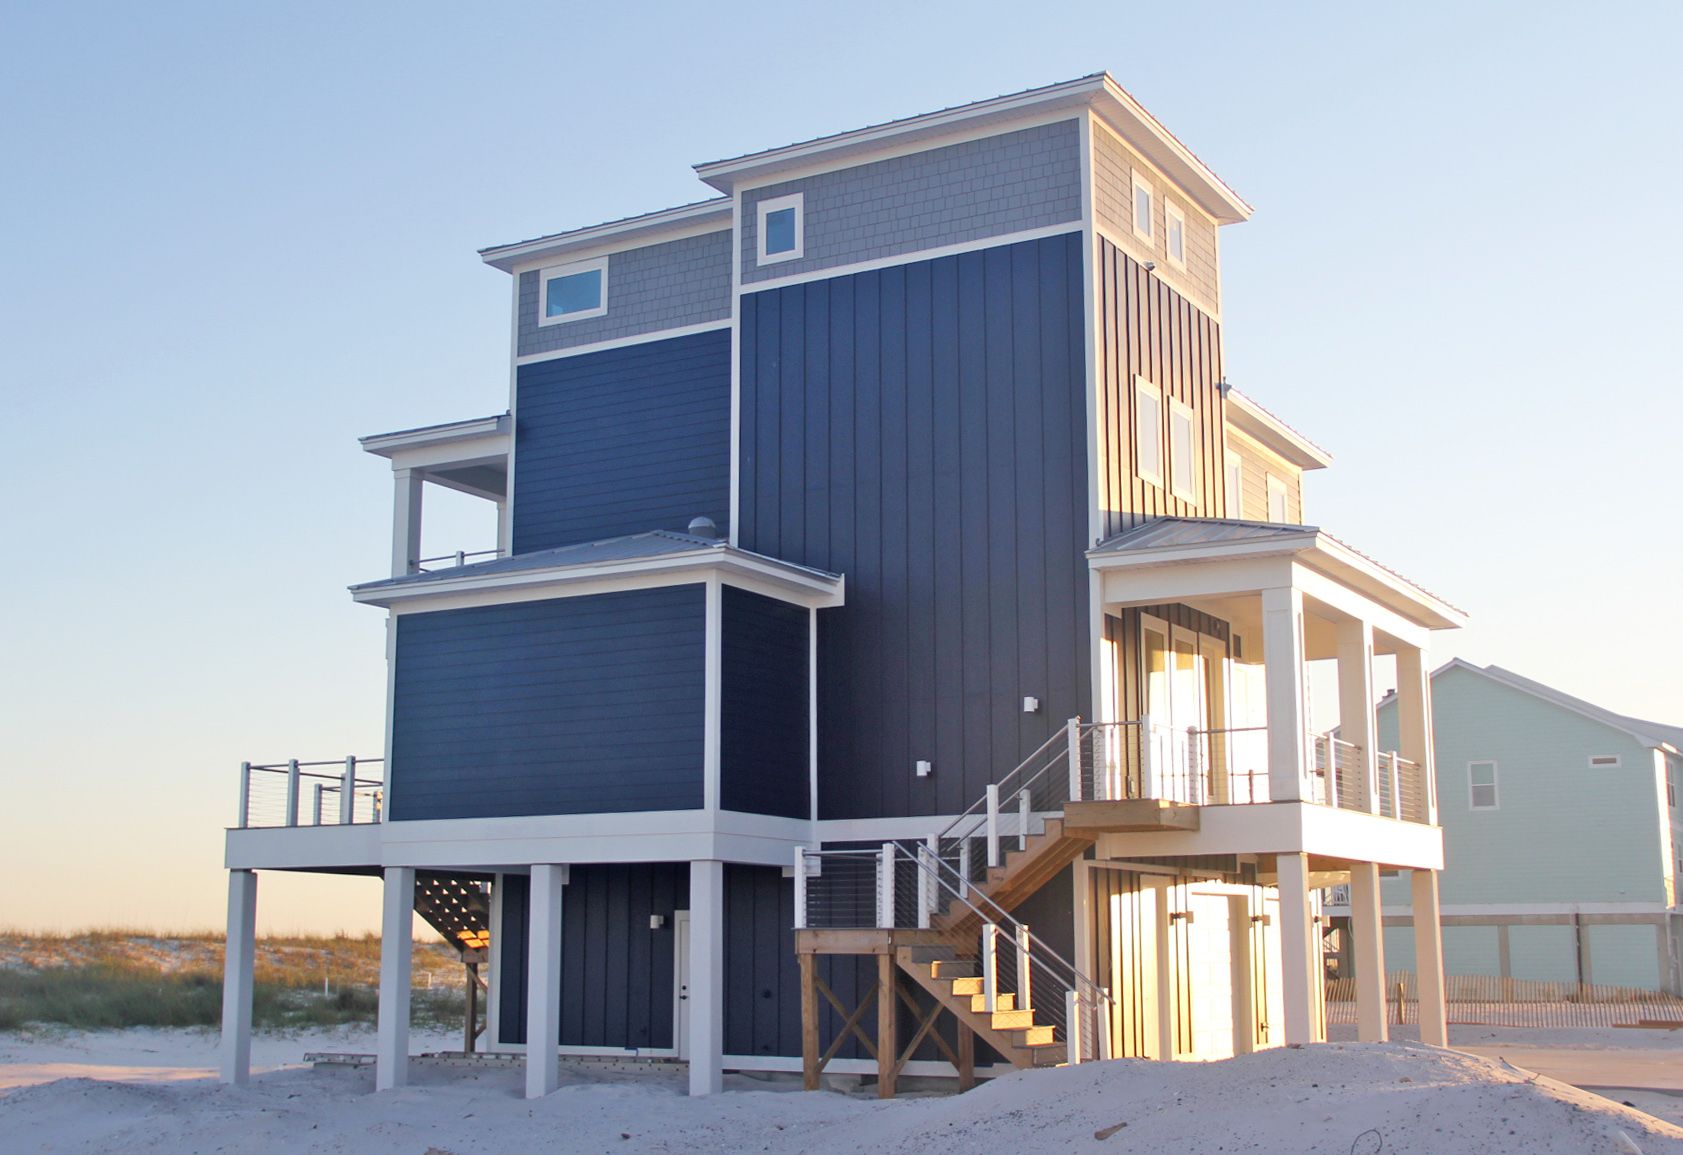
882, 829
685, 220
1233, 484
733, 533
622, 342
1142, 183
812, 713
561, 272
712, 695
1183, 411
1142, 389
1098, 469
388, 445
1174, 215
1270, 432
875, 263
1472, 787
1277, 488
795, 201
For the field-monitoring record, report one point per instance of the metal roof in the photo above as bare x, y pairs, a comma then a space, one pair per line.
1173, 531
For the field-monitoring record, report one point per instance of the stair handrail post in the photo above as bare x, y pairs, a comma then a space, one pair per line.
964, 853
1148, 758
1102, 1025
1072, 1026
800, 888
993, 825
1025, 978
245, 795
292, 792
316, 808
990, 967
929, 859
885, 888
1024, 815
347, 792
1074, 725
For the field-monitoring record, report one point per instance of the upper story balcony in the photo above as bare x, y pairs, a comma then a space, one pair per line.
470, 457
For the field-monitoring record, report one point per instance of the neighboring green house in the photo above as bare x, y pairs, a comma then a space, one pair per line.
1563, 837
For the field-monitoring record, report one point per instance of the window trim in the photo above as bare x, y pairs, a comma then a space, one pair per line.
1277, 484
555, 272
1142, 184
1495, 790
1233, 484
1179, 408
765, 208
1143, 387
1174, 215
1605, 761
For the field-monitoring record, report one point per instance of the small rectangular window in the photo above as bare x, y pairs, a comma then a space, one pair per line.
1670, 786
1481, 785
573, 292
1148, 431
1142, 208
1174, 229
1183, 452
782, 229
1277, 500
1234, 495
1604, 761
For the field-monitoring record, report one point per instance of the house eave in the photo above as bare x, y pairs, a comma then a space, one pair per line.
649, 228
389, 445
1253, 420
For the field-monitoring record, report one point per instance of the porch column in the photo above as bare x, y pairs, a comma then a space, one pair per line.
505, 535
1298, 950
1355, 704
397, 947
1366, 926
1414, 721
406, 521
543, 981
1428, 959
707, 968
494, 970
1282, 657
237, 963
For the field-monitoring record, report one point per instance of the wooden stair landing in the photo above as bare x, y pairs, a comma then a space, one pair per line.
1012, 1031
1129, 816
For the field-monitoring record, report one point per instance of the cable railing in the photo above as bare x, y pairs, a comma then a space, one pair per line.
1338, 773
295, 793
451, 560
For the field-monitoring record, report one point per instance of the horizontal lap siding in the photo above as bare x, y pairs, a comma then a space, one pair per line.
569, 706
764, 757
921, 429
622, 441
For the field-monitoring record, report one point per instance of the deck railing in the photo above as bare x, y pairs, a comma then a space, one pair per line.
295, 793
450, 560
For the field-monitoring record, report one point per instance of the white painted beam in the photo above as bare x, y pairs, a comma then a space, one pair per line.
237, 976
706, 979
397, 947
543, 981
406, 521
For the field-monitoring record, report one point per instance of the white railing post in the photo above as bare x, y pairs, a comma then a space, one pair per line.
1024, 814
928, 879
800, 888
993, 826
1072, 1026
347, 793
1025, 979
964, 867
1101, 1022
885, 887
292, 792
245, 795
990, 967
1074, 725
1148, 759
1396, 781
315, 816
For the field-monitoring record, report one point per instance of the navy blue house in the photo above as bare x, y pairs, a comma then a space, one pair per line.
885, 572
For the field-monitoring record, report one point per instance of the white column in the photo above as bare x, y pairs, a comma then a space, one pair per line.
1299, 952
543, 981
1355, 703
505, 538
1428, 959
406, 521
1367, 927
712, 694
241, 951
707, 968
494, 970
1414, 720
397, 947
1282, 656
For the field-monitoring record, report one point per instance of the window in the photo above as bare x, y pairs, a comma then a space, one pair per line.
1481, 785
1174, 230
1148, 431
782, 229
1277, 500
1670, 786
1235, 501
1183, 453
1142, 208
1604, 761
573, 292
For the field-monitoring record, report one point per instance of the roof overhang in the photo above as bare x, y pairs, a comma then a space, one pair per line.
1099, 92
1253, 420
633, 232
468, 456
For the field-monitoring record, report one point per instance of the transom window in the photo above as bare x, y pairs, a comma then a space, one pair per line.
1481, 785
1148, 431
782, 229
1174, 230
1183, 452
573, 292
1142, 208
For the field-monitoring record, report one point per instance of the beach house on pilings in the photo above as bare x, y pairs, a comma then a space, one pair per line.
892, 656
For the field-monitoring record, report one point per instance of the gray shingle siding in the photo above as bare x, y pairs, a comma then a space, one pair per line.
1009, 183
664, 286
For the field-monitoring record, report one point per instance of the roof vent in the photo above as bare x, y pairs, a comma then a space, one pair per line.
703, 527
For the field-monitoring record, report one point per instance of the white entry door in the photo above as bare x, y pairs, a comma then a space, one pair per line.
1212, 976
681, 983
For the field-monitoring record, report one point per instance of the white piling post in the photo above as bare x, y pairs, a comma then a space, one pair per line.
885, 887
292, 792
347, 793
993, 826
990, 967
245, 795
1072, 1026
800, 888
1074, 725
1025, 977
1148, 759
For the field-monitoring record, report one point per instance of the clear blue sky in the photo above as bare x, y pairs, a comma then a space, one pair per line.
235, 238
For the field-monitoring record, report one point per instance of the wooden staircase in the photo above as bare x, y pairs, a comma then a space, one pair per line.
953, 982
1022, 871
458, 908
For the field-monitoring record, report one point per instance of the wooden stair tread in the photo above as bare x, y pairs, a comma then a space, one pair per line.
1013, 1033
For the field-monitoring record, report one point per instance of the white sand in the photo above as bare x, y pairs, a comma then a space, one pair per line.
154, 1095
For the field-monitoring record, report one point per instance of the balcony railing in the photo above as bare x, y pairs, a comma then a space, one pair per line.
298, 793
452, 560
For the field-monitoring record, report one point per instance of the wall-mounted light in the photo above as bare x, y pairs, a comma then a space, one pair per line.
1031, 705
925, 768
657, 921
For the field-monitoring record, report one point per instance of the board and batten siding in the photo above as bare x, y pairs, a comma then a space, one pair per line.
765, 762
581, 705
921, 428
622, 441
1148, 330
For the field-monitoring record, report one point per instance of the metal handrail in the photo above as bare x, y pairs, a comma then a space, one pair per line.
460, 557
350, 787
978, 808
